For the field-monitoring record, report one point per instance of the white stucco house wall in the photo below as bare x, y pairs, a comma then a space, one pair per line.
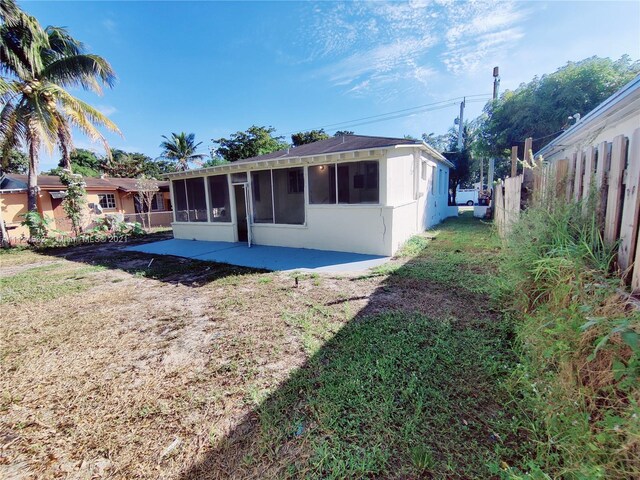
351, 193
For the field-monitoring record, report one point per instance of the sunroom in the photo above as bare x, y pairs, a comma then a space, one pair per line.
343, 201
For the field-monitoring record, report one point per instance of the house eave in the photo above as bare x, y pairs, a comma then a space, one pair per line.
280, 162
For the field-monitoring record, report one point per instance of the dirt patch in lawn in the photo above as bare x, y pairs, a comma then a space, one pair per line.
184, 369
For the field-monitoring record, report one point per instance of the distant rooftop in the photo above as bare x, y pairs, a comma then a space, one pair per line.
14, 182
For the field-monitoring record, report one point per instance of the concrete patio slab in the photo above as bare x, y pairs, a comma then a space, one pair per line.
264, 256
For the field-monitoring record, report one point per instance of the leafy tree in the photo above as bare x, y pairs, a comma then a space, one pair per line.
84, 162
302, 138
540, 108
125, 165
214, 162
250, 143
15, 161
340, 133
439, 142
147, 189
181, 149
158, 168
37, 66
461, 158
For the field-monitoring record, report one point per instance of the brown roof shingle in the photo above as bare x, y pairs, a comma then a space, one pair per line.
52, 182
344, 143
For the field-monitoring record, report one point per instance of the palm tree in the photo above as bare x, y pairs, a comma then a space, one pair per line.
181, 148
38, 65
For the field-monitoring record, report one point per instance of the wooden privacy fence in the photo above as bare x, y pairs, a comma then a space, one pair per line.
612, 168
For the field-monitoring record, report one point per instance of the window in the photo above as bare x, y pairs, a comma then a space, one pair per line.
358, 182
157, 205
219, 199
433, 180
278, 196
107, 200
423, 170
322, 184
262, 197
296, 180
288, 195
191, 205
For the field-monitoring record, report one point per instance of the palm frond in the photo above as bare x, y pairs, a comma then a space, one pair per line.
21, 44
83, 70
63, 44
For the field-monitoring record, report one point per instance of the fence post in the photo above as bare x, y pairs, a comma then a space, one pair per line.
602, 168
577, 184
615, 193
631, 206
514, 161
571, 177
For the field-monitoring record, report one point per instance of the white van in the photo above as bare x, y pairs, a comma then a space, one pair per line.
467, 196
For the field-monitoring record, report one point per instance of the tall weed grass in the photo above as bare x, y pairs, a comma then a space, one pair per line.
577, 336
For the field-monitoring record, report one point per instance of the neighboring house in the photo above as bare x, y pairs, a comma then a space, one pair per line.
104, 196
617, 115
351, 193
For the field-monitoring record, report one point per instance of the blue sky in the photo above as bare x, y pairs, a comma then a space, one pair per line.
213, 68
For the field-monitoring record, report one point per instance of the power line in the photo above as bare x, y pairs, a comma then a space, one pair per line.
397, 113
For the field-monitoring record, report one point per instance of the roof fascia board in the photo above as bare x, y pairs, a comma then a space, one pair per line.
279, 161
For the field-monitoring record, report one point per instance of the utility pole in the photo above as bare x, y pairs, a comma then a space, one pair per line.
492, 161
461, 124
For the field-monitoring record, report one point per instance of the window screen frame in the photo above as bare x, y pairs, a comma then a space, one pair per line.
106, 197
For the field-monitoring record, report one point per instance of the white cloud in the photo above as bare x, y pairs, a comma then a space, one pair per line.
107, 110
400, 47
110, 25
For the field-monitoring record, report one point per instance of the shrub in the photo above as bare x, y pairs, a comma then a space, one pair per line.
578, 342
37, 224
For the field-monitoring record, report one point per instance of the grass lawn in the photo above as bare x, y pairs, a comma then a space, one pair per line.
117, 366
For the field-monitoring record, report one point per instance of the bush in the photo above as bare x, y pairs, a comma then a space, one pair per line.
37, 224
578, 342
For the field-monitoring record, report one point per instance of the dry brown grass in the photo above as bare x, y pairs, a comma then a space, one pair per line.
125, 376
101, 384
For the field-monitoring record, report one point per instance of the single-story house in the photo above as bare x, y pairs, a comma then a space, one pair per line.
105, 196
351, 193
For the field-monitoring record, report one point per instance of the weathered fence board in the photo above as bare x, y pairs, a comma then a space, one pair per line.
498, 205
579, 172
561, 174
607, 173
615, 190
571, 176
631, 205
514, 161
602, 167
512, 197
589, 163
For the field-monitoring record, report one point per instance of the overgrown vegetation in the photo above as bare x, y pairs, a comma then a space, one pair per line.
578, 340
75, 199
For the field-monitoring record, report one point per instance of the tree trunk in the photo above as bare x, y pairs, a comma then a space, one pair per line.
32, 193
3, 232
